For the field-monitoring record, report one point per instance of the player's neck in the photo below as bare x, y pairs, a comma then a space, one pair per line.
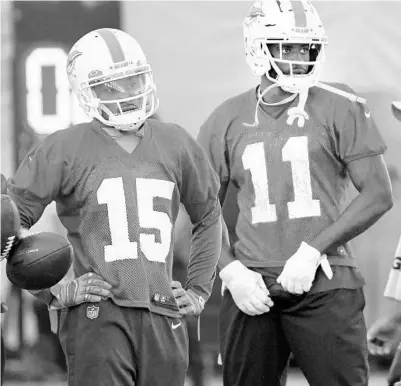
275, 95
127, 140
114, 133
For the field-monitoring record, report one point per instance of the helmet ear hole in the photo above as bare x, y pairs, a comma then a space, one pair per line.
314, 52
272, 73
268, 49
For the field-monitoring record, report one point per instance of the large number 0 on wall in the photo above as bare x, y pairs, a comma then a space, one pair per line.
67, 110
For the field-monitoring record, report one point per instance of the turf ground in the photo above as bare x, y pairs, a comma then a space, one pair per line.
295, 379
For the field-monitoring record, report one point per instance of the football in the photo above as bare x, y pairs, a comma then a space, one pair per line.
10, 225
39, 260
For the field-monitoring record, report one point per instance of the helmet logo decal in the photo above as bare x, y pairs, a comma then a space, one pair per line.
94, 73
72, 56
254, 13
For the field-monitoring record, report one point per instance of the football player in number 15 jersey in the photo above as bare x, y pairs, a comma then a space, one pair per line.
292, 146
118, 182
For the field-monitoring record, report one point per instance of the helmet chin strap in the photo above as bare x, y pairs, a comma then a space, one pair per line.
101, 109
131, 128
114, 132
297, 112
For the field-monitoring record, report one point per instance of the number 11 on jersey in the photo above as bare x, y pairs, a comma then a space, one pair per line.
294, 151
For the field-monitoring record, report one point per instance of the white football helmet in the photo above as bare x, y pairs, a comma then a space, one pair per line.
284, 22
108, 72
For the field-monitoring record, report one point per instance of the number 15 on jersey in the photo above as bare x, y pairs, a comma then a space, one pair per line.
111, 193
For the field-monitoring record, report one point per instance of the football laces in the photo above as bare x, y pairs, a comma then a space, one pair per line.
7, 248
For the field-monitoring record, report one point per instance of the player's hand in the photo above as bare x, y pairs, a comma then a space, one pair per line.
188, 301
300, 269
88, 288
382, 336
24, 232
247, 288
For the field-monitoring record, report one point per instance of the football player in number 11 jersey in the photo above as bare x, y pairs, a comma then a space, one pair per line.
117, 183
291, 146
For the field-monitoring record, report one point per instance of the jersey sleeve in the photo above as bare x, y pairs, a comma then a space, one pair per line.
212, 138
37, 181
393, 286
199, 195
358, 135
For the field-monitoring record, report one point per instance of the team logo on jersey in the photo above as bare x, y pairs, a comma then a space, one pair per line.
92, 312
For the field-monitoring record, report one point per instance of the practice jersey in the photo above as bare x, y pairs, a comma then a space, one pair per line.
120, 208
292, 181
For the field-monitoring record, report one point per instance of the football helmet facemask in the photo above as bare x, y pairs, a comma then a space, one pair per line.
109, 73
284, 22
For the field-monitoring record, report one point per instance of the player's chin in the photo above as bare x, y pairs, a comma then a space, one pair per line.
297, 71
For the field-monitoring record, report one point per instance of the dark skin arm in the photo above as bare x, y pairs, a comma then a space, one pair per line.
370, 177
226, 256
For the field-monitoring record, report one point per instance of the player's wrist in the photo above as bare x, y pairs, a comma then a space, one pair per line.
44, 295
232, 270
226, 257
197, 300
56, 291
311, 253
55, 305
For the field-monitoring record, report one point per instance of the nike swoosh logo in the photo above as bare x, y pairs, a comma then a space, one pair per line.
174, 326
367, 114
